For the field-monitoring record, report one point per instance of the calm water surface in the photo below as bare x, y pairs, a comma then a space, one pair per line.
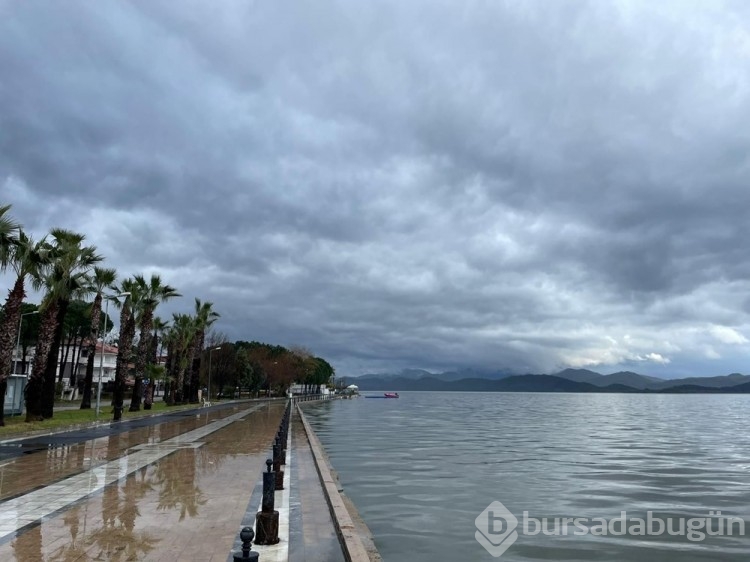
422, 468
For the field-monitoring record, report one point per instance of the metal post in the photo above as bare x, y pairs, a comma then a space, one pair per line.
18, 341
208, 390
101, 360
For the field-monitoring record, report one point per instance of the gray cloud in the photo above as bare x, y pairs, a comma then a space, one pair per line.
524, 185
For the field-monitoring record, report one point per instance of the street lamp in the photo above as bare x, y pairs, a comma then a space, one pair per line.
209, 369
18, 342
101, 357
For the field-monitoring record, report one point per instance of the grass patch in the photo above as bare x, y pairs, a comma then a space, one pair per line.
16, 426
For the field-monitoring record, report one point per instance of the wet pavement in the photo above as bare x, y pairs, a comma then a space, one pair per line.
163, 488
175, 486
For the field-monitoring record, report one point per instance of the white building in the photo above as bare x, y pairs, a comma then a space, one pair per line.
76, 360
108, 363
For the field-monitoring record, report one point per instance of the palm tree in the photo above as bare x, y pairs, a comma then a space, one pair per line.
66, 278
27, 258
152, 293
8, 234
35, 384
125, 341
102, 279
204, 317
183, 331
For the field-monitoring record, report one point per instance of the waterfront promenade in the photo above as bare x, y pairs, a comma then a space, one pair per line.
177, 486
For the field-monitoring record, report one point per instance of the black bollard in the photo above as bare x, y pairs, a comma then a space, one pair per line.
245, 554
277, 465
267, 519
267, 505
281, 442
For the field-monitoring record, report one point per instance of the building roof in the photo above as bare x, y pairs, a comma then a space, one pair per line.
107, 348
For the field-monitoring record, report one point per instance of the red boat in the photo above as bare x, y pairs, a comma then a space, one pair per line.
391, 394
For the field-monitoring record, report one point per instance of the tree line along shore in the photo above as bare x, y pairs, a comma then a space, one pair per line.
75, 284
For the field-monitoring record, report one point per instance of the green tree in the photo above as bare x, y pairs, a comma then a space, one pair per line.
249, 375
323, 373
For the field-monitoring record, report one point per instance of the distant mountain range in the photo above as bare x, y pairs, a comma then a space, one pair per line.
569, 380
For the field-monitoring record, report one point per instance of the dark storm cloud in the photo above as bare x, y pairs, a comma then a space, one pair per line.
525, 185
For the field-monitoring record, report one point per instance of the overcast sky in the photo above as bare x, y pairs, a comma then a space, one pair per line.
524, 185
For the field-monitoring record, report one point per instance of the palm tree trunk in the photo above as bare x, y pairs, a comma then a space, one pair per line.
182, 361
193, 372
180, 390
196, 364
96, 314
77, 346
141, 358
153, 351
127, 329
48, 394
35, 385
8, 334
88, 382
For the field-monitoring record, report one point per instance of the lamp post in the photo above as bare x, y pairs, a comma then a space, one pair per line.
209, 370
101, 356
18, 342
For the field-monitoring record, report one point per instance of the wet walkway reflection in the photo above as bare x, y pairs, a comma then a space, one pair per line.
39, 461
186, 505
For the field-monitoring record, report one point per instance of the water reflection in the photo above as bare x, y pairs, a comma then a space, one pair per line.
175, 476
117, 538
52, 458
28, 546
